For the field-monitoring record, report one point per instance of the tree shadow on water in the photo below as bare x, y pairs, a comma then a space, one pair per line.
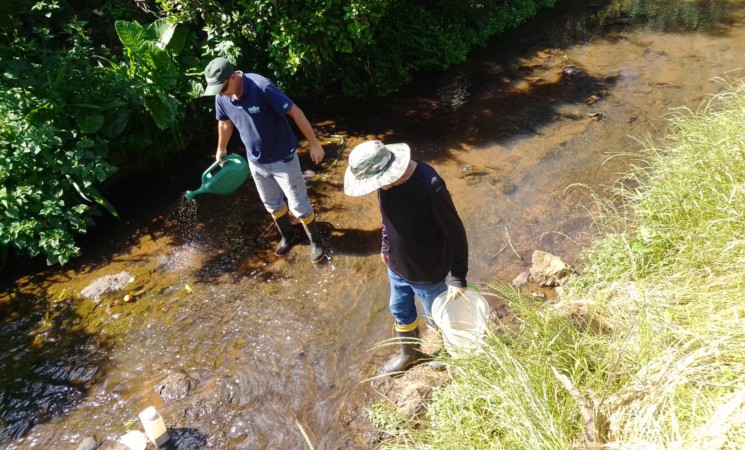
255, 257
49, 361
521, 81
355, 242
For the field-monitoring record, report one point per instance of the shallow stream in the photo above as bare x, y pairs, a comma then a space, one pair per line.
264, 348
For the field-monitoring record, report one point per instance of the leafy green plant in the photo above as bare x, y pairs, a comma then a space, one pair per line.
47, 180
51, 160
66, 120
150, 64
155, 57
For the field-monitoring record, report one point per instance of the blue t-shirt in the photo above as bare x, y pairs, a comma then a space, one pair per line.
260, 116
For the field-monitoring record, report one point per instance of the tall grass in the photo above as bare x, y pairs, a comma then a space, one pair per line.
509, 397
650, 340
675, 301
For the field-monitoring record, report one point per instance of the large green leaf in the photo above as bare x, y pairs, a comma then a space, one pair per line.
119, 124
89, 121
131, 34
163, 109
97, 197
161, 31
156, 58
178, 40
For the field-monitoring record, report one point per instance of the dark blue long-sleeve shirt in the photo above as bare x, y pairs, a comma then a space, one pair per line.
423, 235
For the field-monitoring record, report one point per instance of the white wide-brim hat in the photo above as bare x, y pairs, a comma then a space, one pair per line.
373, 165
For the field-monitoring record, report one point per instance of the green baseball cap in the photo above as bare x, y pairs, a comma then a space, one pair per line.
217, 71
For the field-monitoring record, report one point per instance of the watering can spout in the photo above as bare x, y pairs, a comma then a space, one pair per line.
191, 194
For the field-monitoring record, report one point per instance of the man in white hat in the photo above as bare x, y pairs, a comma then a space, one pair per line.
259, 110
423, 236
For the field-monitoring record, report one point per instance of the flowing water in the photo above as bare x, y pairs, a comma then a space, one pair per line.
258, 349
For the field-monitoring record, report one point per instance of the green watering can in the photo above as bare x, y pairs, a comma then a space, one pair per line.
231, 175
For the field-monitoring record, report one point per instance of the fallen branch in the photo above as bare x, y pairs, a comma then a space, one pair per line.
585, 408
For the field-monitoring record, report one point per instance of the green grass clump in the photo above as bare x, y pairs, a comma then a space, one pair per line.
509, 397
683, 207
646, 349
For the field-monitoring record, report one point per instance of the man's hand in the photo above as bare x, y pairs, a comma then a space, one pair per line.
220, 154
384, 257
316, 153
455, 292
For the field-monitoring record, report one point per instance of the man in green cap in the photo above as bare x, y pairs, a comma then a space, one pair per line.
254, 106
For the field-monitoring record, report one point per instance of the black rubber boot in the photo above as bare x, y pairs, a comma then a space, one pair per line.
285, 231
410, 353
316, 247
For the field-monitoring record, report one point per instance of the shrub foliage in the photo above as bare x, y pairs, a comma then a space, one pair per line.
348, 47
69, 110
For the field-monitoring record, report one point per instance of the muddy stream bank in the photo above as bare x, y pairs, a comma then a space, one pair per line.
238, 348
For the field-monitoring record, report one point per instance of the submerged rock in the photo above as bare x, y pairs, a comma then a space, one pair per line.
521, 279
175, 386
106, 284
571, 71
88, 443
548, 270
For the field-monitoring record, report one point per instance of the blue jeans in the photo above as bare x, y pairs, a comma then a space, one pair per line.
402, 303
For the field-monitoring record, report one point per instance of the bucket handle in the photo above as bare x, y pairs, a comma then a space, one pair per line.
450, 297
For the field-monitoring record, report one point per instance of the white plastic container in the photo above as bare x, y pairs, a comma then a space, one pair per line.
462, 321
134, 440
155, 428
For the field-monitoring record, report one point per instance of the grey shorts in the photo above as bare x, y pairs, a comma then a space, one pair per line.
282, 180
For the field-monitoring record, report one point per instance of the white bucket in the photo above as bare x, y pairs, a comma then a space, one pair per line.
462, 321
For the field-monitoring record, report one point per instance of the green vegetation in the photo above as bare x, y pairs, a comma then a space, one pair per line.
50, 156
70, 113
413, 36
348, 47
645, 349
